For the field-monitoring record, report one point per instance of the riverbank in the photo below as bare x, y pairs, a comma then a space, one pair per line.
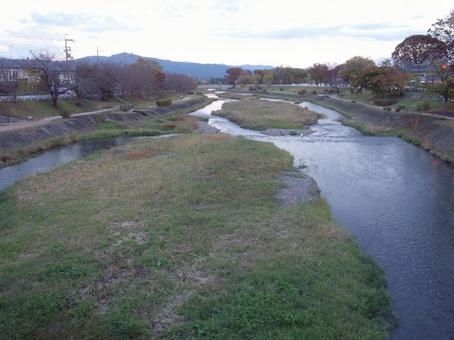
433, 133
180, 237
17, 145
39, 109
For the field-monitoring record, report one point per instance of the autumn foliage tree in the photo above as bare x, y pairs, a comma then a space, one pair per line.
232, 75
354, 67
419, 49
320, 73
179, 83
382, 81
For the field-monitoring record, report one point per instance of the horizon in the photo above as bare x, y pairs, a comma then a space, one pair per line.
291, 34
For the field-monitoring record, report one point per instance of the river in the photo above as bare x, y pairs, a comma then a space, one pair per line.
398, 202
52, 158
396, 199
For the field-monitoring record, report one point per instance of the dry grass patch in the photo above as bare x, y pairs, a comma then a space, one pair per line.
261, 114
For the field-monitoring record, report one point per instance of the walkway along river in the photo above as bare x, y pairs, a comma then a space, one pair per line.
398, 202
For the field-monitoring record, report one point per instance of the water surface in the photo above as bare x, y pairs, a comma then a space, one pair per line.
398, 202
52, 158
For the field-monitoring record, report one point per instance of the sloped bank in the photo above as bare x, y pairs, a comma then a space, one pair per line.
64, 131
434, 134
431, 133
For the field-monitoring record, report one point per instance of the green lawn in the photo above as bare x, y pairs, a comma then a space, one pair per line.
261, 114
180, 238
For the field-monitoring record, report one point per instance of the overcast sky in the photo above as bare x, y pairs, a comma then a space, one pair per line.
271, 32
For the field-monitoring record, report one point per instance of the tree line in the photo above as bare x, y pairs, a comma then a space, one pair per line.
144, 78
389, 78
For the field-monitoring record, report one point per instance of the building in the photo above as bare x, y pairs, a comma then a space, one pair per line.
26, 74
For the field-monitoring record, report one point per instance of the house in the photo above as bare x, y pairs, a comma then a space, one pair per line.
26, 73
423, 73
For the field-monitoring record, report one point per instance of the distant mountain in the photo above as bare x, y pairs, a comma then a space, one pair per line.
195, 70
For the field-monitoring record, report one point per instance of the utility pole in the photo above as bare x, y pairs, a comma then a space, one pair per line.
97, 54
68, 55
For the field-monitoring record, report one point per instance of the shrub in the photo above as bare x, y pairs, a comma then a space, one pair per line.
424, 106
164, 102
125, 108
314, 92
281, 89
354, 101
384, 101
387, 108
66, 114
302, 92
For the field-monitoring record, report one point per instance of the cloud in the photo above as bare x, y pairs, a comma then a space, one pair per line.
372, 31
35, 34
80, 21
228, 6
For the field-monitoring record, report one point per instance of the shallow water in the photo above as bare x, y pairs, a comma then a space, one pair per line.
396, 199
398, 202
50, 159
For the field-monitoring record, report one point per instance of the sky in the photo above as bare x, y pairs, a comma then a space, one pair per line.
294, 33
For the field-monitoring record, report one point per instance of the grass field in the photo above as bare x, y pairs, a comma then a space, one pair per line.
261, 114
177, 122
405, 103
42, 109
180, 238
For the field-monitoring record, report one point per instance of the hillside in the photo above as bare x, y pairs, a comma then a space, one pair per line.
196, 70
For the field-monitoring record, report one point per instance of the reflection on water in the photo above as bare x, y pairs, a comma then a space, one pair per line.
398, 202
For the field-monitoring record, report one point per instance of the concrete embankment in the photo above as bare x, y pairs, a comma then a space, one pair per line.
81, 124
434, 134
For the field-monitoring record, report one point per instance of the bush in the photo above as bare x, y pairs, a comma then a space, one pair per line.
126, 108
384, 101
400, 107
302, 92
424, 106
354, 101
281, 89
314, 92
387, 108
164, 102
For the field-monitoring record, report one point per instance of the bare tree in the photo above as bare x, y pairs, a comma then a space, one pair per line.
443, 30
85, 84
179, 83
54, 75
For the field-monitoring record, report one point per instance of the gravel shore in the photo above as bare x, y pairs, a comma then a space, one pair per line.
299, 188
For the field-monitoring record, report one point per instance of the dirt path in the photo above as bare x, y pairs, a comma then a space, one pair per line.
27, 124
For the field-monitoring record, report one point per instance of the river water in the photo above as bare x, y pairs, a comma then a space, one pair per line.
52, 158
396, 199
398, 202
